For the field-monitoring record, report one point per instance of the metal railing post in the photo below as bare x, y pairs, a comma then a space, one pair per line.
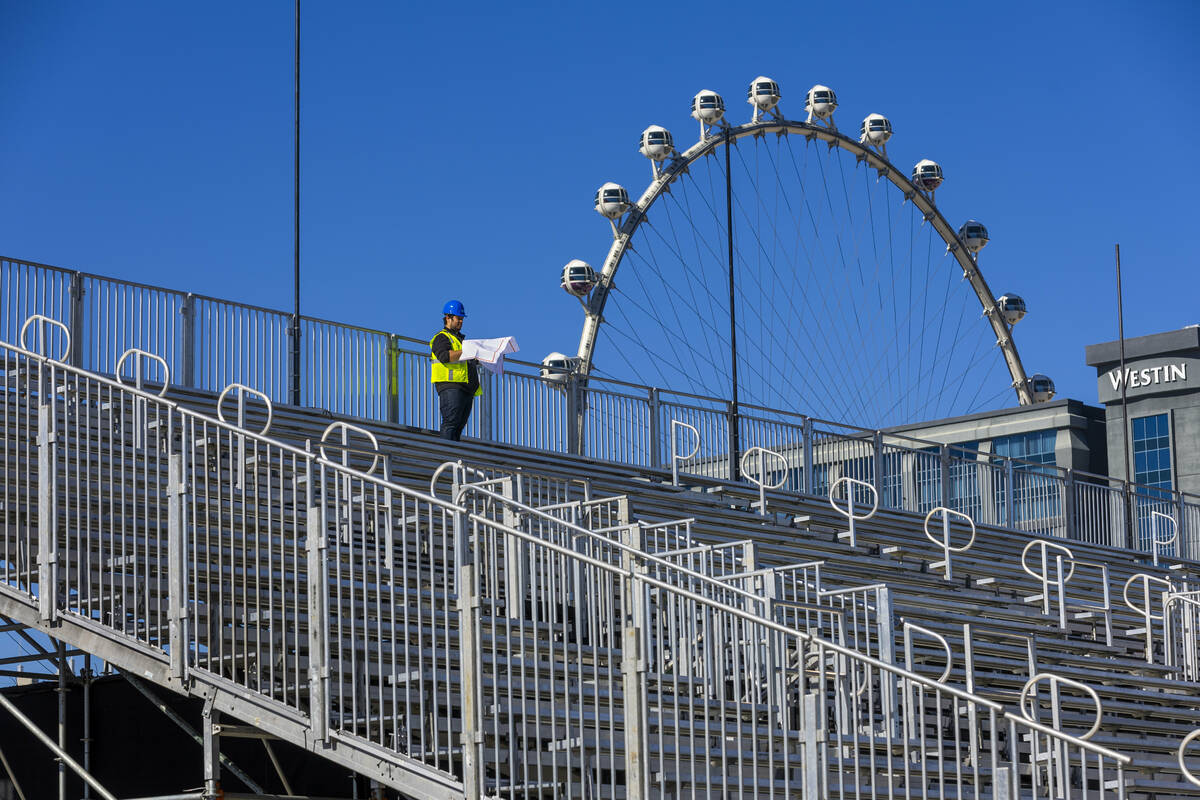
187, 372
468, 604
1069, 525
77, 290
807, 432
1181, 548
485, 406
944, 458
655, 428
47, 501
1009, 491
811, 736
318, 611
393, 379
574, 419
176, 579
633, 668
877, 456
1129, 502
734, 457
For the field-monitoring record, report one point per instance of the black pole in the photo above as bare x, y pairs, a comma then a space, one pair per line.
735, 447
1129, 540
295, 393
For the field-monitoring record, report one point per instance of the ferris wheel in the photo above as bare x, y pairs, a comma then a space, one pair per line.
797, 267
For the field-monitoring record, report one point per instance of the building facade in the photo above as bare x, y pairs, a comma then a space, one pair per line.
1158, 392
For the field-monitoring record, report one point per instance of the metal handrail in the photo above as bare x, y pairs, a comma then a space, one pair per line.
1055, 681
945, 542
675, 457
848, 513
760, 481
46, 321
306, 456
697, 577
888, 434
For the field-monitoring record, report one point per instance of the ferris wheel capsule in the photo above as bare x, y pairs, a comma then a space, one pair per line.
708, 107
612, 200
656, 143
927, 175
974, 235
556, 367
578, 278
1042, 388
1012, 308
820, 104
875, 130
764, 95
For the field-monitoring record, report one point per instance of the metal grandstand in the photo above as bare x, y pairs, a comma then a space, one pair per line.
510, 618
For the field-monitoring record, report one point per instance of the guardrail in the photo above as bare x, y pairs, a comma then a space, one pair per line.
210, 343
282, 577
709, 691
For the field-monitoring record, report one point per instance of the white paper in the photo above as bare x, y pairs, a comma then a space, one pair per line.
489, 353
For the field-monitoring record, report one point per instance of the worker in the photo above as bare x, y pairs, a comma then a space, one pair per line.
456, 380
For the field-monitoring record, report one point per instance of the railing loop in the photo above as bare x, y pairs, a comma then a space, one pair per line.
1027, 710
1044, 575
1146, 580
912, 627
140, 356
848, 511
46, 321
346, 429
760, 481
1187, 773
945, 540
244, 390
1156, 542
462, 470
675, 457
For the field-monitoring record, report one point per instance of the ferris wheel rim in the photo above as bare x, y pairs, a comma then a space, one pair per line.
707, 145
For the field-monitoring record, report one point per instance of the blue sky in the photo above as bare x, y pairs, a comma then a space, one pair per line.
452, 151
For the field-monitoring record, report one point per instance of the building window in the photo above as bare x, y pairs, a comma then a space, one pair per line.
1037, 446
1152, 470
1152, 451
1036, 489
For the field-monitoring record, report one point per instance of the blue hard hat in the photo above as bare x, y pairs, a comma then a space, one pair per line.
454, 308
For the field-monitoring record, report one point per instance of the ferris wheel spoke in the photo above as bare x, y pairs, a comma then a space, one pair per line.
671, 337
783, 323
817, 278
779, 349
669, 365
696, 278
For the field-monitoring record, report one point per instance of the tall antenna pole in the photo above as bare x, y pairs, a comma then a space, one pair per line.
1129, 541
295, 392
734, 434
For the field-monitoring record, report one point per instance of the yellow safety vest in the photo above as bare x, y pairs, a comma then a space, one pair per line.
455, 371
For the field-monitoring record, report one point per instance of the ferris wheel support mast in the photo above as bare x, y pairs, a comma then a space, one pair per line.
665, 176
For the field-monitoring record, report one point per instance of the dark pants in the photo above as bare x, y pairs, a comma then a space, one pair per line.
455, 405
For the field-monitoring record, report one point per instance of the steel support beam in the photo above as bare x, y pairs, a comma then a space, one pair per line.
8, 706
170, 714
